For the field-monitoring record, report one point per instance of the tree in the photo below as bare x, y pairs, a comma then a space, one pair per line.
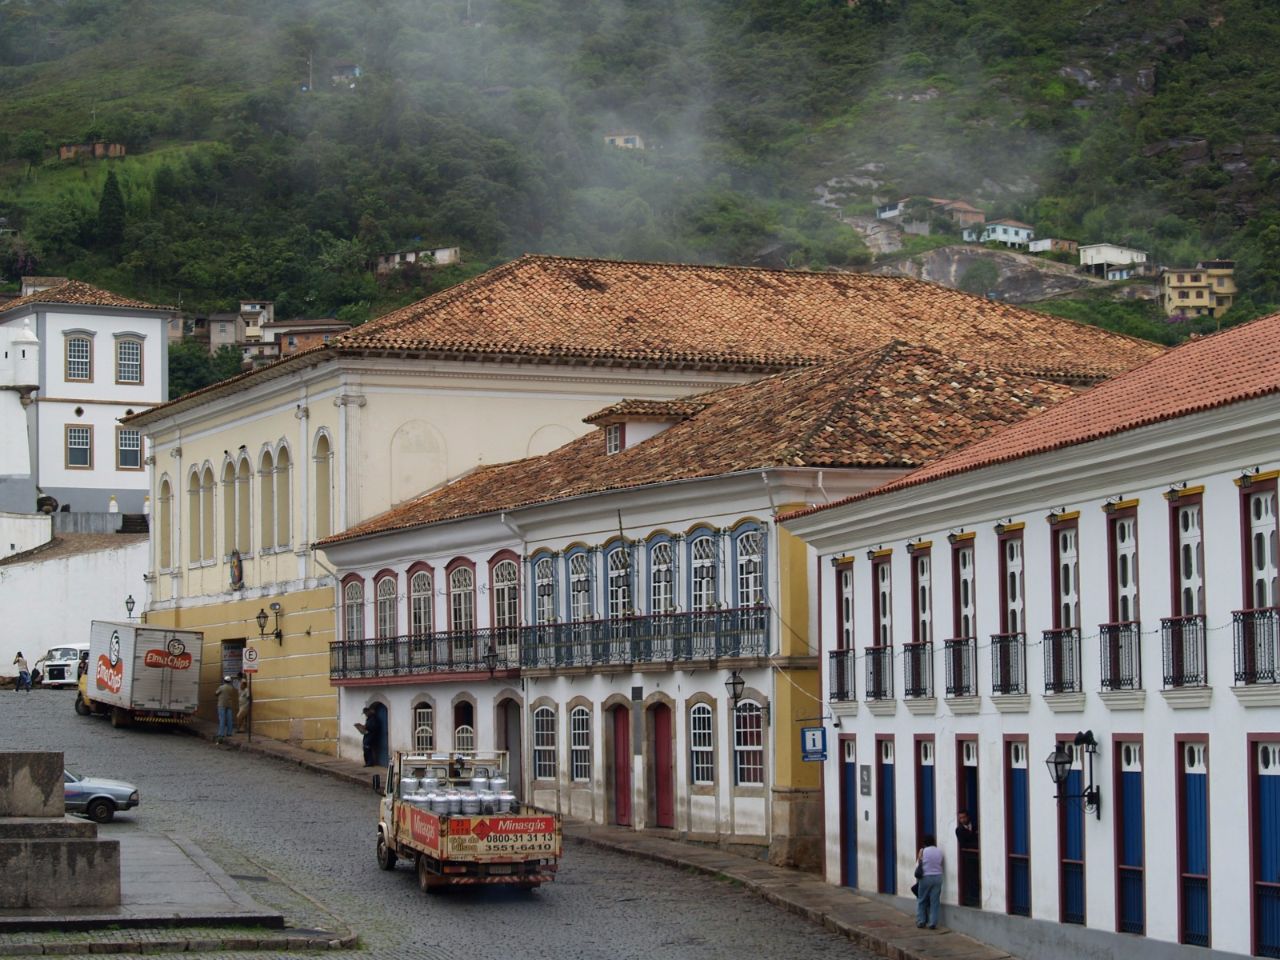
30, 146
190, 368
111, 211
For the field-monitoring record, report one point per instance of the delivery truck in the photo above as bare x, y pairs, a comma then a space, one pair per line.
455, 818
140, 673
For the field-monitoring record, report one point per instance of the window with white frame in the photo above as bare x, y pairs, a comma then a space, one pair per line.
1012, 580
966, 609
750, 569
506, 594
702, 744
80, 448
704, 573
619, 583
424, 727
544, 590
748, 743
1067, 575
420, 593
128, 361
882, 615
580, 743
353, 610
79, 359
613, 438
1261, 548
386, 607
922, 594
580, 586
544, 744
1190, 559
1124, 567
662, 578
462, 611
844, 607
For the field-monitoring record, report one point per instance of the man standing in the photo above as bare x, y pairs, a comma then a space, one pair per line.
370, 736
24, 673
226, 708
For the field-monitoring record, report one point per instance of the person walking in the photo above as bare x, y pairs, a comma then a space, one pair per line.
226, 694
24, 673
242, 711
929, 889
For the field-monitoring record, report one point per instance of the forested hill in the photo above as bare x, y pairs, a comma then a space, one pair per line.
481, 123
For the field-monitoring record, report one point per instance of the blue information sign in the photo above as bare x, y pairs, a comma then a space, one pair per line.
813, 743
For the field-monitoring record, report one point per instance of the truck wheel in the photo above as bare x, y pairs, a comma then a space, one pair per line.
100, 810
427, 881
119, 717
82, 708
386, 856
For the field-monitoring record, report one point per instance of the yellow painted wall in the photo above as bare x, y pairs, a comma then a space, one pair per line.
798, 694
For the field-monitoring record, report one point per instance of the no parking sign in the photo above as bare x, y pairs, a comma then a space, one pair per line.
249, 660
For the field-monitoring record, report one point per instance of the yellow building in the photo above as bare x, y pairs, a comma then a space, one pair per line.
1206, 290
248, 474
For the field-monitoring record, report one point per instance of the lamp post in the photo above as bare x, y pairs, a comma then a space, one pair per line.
1060, 762
262, 618
129, 604
733, 686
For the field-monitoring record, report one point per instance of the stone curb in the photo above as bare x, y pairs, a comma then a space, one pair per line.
178, 945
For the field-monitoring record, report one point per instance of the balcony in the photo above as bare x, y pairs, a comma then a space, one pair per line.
703, 635
1009, 664
1062, 660
880, 673
917, 670
843, 663
1255, 643
1121, 651
960, 656
1182, 639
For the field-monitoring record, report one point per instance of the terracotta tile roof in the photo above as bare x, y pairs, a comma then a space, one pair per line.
81, 293
647, 410
540, 307
896, 407
1239, 364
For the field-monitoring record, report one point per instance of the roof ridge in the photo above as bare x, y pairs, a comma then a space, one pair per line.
874, 358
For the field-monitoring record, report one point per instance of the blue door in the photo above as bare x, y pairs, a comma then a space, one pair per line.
926, 792
969, 842
1266, 850
1193, 847
886, 840
1018, 818
1129, 842
848, 813
1071, 841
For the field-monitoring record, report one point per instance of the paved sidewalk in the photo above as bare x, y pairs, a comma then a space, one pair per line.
873, 925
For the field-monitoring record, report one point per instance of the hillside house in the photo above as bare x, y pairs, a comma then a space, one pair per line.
1011, 233
1206, 290
94, 150
1053, 245
437, 257
32, 285
1112, 261
293, 336
345, 75
957, 211
626, 141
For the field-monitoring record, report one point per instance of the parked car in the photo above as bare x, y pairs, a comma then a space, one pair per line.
97, 799
59, 667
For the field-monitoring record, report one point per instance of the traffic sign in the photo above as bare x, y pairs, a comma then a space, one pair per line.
249, 660
813, 744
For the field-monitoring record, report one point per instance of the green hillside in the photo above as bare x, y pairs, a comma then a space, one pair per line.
481, 123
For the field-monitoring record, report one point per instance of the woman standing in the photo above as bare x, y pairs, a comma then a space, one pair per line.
929, 894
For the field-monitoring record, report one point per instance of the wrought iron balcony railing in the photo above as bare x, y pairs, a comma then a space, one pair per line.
843, 663
960, 655
1182, 640
880, 673
1062, 660
1121, 651
917, 669
1008, 664
701, 635
1255, 643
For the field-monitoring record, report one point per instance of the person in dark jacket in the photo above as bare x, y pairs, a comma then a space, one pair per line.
370, 736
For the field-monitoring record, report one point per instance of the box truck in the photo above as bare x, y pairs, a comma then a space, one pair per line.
141, 673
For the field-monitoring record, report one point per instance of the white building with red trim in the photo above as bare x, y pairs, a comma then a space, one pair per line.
1095, 585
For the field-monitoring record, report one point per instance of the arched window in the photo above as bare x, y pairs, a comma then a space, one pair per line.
662, 595
580, 744
544, 588
749, 559
505, 586
353, 610
421, 590
193, 518
267, 501
324, 486
385, 593
748, 743
165, 541
619, 567
702, 744
284, 516
705, 572
580, 586
462, 614
544, 744
464, 726
229, 529
208, 543
244, 490
424, 728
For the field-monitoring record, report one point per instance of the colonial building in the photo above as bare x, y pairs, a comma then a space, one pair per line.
621, 614
1095, 585
1206, 290
251, 472
102, 358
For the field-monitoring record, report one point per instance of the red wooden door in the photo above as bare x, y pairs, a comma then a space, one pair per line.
664, 781
621, 766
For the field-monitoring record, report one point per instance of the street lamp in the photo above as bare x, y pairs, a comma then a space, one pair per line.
1059, 763
490, 660
262, 618
129, 604
733, 686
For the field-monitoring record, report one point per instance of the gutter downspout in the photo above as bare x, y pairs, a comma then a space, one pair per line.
526, 736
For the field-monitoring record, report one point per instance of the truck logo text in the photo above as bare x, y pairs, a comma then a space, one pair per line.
162, 658
109, 676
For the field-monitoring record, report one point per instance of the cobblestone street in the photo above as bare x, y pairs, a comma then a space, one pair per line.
256, 816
